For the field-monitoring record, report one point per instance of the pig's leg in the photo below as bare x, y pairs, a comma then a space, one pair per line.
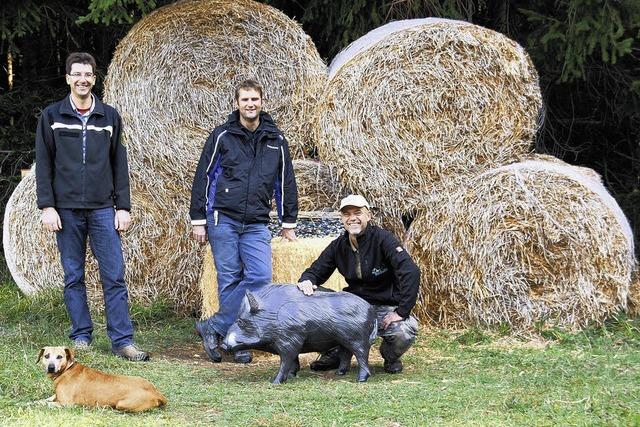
294, 369
362, 356
287, 365
345, 361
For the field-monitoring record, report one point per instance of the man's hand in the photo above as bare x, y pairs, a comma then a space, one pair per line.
288, 234
307, 287
51, 219
200, 233
391, 317
122, 220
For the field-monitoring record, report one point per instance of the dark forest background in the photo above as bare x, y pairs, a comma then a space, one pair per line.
587, 53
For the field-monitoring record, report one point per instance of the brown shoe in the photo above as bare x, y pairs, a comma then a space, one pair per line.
131, 352
80, 344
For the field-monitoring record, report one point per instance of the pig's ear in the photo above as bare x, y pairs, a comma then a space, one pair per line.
254, 307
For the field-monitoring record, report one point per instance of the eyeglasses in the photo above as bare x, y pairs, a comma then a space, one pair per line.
79, 75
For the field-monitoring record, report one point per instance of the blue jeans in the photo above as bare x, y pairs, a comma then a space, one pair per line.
242, 256
104, 240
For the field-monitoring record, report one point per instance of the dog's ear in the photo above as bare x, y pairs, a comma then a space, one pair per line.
71, 356
40, 355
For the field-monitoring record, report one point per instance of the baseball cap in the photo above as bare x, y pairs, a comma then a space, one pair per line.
354, 200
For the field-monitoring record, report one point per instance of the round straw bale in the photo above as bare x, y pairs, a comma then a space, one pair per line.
172, 78
318, 186
634, 294
424, 101
31, 252
290, 259
154, 250
534, 241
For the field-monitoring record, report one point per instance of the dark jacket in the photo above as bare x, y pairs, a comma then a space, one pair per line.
72, 173
239, 172
389, 275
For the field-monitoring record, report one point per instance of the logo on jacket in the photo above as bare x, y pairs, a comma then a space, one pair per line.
379, 270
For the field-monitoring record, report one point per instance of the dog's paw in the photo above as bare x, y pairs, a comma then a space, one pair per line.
49, 402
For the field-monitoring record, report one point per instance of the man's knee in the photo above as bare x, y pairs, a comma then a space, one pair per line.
398, 337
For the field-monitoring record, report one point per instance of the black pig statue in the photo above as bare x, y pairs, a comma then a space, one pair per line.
280, 319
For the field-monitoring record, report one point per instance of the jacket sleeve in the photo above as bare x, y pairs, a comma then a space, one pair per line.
406, 271
45, 158
197, 208
289, 212
323, 267
120, 167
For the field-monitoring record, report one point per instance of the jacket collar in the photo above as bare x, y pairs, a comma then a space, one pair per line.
266, 123
67, 108
362, 237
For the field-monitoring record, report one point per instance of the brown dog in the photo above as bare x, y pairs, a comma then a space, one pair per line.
76, 384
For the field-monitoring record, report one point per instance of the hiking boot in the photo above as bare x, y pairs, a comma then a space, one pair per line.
242, 356
131, 352
210, 341
327, 361
394, 367
80, 344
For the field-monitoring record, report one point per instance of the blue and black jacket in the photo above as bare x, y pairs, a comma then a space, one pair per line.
81, 164
240, 172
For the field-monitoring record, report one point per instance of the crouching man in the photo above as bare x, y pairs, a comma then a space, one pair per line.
377, 269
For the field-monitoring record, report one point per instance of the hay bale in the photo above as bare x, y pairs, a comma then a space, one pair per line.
30, 252
318, 186
153, 250
634, 294
524, 243
290, 259
172, 78
418, 102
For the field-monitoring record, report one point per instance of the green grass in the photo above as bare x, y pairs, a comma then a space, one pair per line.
475, 377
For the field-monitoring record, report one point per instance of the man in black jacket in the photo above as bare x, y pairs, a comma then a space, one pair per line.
82, 184
244, 164
377, 269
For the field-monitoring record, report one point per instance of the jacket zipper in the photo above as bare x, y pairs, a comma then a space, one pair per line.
254, 147
84, 159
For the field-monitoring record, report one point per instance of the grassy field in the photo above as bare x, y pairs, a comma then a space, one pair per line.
472, 377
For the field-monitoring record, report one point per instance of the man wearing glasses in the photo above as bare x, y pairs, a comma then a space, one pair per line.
82, 180
377, 269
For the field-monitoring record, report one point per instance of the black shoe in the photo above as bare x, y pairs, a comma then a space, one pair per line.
242, 356
210, 341
394, 367
327, 361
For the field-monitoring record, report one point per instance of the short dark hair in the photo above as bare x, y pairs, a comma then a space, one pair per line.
248, 84
80, 58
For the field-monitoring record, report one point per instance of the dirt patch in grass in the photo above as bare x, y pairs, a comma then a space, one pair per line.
193, 354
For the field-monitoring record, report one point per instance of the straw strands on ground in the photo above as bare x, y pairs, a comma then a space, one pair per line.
318, 186
290, 259
528, 242
422, 101
153, 250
